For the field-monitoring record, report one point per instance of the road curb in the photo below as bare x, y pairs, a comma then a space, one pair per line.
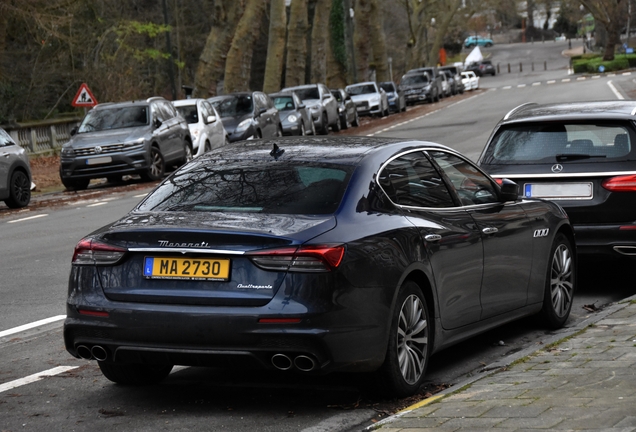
495, 367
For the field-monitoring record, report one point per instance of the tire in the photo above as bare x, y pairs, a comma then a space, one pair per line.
356, 120
134, 374
19, 190
407, 356
560, 283
207, 147
336, 126
157, 166
188, 153
75, 184
488, 45
324, 125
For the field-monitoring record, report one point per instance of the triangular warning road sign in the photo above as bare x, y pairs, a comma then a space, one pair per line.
84, 98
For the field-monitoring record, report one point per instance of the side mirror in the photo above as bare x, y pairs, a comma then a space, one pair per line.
302, 105
509, 190
157, 123
210, 119
326, 96
74, 131
262, 111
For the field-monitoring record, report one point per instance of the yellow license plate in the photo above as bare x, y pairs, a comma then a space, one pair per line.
187, 268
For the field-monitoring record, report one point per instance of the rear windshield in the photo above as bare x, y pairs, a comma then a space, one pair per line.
559, 142
114, 118
273, 187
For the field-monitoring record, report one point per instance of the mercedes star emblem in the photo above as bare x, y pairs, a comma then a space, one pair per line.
557, 168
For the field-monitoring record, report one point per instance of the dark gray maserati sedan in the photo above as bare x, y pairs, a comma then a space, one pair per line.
312, 255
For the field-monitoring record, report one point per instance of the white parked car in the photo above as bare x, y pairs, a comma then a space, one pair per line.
205, 124
369, 98
470, 80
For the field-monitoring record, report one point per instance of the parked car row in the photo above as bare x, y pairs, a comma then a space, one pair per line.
430, 84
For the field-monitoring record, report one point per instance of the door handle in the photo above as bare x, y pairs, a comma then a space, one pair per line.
490, 230
432, 237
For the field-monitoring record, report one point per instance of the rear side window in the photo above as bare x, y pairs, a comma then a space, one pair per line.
559, 142
411, 180
252, 187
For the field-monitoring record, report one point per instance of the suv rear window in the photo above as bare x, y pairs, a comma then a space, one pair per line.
559, 142
252, 187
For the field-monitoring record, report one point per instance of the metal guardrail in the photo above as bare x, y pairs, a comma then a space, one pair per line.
42, 137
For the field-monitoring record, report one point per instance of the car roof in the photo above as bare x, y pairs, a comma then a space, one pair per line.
143, 102
281, 93
598, 110
343, 150
186, 102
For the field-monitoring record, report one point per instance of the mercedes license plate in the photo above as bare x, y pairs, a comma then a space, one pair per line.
557, 191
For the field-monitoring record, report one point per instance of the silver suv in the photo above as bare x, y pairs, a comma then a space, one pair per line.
15, 173
137, 137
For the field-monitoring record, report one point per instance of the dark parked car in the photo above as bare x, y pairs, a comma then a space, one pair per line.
453, 73
322, 105
346, 109
419, 87
138, 137
15, 173
248, 115
315, 255
395, 95
295, 117
581, 155
481, 68
433, 75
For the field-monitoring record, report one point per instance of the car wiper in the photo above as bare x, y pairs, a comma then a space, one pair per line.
576, 156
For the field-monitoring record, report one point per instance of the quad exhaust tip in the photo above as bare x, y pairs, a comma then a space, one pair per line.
99, 353
301, 362
304, 363
96, 352
281, 362
84, 352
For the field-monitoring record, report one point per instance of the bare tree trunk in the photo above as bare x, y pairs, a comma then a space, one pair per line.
297, 43
212, 60
362, 37
320, 41
3, 39
275, 46
336, 48
239, 58
378, 42
443, 22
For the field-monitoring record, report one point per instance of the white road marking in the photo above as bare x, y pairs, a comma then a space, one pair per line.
27, 218
536, 84
140, 195
611, 74
551, 82
35, 377
31, 325
507, 87
521, 86
626, 73
580, 79
96, 204
565, 80
616, 92
596, 77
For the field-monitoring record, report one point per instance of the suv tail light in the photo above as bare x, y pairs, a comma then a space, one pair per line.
620, 184
92, 252
310, 259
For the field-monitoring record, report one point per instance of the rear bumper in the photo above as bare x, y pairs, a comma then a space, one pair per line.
608, 240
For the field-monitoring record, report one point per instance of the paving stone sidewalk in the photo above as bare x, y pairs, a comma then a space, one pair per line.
584, 382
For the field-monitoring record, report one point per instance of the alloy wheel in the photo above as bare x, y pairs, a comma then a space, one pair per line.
561, 280
412, 339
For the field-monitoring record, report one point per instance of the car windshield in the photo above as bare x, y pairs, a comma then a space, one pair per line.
114, 118
252, 186
308, 93
189, 112
388, 87
284, 103
559, 142
415, 79
234, 106
361, 89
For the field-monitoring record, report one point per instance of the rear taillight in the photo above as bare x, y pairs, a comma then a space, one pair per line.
312, 259
621, 184
91, 252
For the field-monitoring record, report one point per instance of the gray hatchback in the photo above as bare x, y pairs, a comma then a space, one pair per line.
138, 137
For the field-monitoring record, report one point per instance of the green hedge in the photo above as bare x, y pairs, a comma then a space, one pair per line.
590, 64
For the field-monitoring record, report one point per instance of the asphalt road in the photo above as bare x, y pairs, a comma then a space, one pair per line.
37, 248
